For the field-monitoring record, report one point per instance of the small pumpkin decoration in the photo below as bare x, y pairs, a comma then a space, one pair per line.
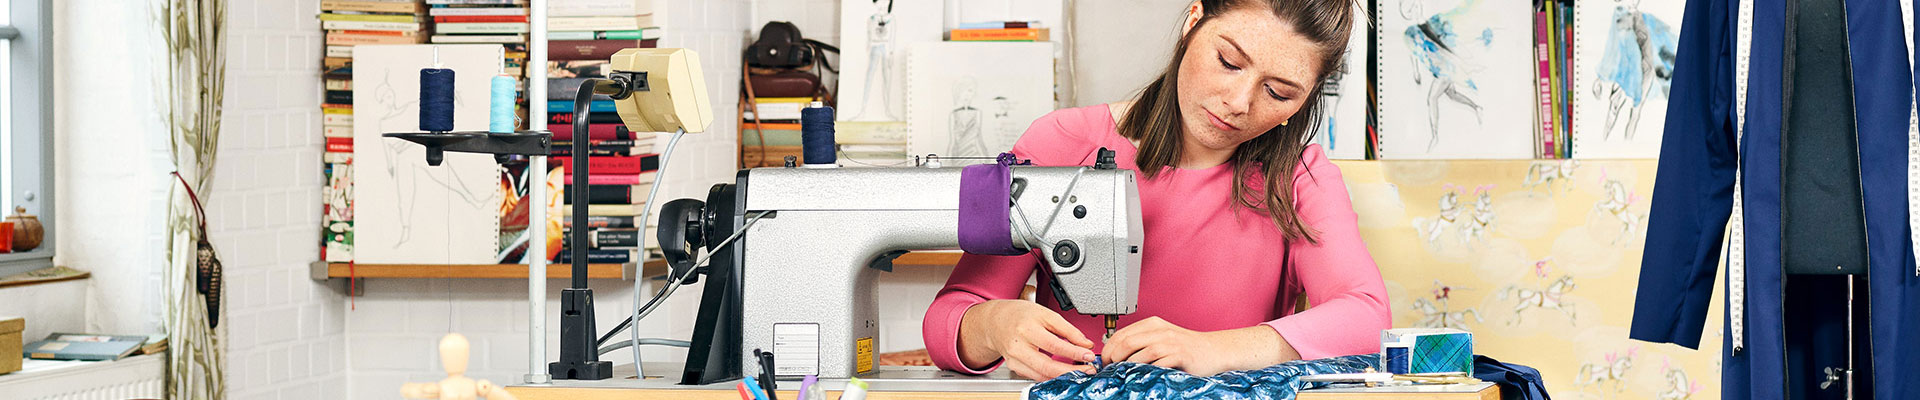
27, 231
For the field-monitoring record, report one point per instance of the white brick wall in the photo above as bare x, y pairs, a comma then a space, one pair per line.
284, 334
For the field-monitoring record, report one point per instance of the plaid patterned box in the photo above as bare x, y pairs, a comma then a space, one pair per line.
1426, 350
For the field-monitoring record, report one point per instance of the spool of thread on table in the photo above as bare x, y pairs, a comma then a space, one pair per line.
500, 117
816, 135
436, 99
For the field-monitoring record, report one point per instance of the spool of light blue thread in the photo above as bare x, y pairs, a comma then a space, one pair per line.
436, 99
816, 135
500, 118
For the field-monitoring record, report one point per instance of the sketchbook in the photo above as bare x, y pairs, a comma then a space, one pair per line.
1450, 71
974, 99
406, 212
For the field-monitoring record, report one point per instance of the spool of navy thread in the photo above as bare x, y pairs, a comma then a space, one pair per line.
436, 99
816, 134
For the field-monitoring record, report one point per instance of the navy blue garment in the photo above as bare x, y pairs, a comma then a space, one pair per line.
1133, 381
1693, 192
1517, 382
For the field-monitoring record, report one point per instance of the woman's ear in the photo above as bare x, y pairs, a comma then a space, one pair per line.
1194, 12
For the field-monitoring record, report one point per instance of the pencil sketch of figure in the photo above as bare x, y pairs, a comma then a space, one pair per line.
394, 108
879, 63
1640, 50
1436, 44
963, 124
1006, 128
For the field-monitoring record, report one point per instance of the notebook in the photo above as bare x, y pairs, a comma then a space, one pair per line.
1455, 79
1623, 55
974, 99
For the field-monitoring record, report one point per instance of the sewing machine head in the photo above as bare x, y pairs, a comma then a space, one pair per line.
800, 280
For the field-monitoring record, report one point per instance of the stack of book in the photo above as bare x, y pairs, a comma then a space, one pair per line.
502, 22
1553, 51
621, 174
999, 31
771, 131
595, 29
349, 23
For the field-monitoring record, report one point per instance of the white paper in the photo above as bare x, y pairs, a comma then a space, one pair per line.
870, 36
406, 211
974, 99
1621, 79
1343, 98
1452, 73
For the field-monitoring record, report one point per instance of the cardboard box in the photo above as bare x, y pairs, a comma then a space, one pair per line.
10, 342
1426, 351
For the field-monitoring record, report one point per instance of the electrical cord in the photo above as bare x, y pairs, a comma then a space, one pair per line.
641, 225
645, 342
672, 282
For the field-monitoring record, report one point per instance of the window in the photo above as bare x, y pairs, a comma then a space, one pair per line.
26, 123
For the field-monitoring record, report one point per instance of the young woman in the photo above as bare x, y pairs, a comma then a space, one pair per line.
1241, 215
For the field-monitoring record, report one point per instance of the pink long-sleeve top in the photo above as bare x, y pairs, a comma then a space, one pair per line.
1206, 265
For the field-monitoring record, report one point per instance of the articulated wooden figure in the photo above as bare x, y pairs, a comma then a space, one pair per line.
453, 356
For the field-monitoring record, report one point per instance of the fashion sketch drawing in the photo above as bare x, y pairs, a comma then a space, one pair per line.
1640, 50
1435, 47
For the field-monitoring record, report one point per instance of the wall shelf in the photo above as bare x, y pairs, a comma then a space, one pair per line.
654, 268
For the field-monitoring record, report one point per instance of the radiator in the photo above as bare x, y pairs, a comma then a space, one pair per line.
131, 378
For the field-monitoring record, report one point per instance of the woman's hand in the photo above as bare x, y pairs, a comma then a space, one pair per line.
1024, 333
1158, 342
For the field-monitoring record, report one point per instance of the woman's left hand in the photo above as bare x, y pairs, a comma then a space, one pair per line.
1158, 342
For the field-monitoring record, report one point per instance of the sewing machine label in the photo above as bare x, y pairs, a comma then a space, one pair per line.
796, 349
863, 355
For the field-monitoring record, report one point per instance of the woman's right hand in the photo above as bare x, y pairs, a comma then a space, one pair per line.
1025, 334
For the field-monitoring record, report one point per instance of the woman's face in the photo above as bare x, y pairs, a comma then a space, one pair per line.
1244, 72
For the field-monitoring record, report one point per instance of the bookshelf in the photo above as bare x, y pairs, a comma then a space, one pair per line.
651, 269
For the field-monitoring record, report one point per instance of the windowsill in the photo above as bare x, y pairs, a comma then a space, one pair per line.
9, 280
15, 263
52, 378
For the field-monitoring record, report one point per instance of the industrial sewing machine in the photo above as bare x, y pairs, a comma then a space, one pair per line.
800, 281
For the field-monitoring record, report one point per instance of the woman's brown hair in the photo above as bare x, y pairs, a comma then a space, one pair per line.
1155, 119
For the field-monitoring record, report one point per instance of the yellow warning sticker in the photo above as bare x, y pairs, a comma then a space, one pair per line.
863, 355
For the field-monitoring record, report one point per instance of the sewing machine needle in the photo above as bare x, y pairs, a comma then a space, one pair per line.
1112, 321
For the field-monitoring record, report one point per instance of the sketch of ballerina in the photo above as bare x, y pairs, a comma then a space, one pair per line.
879, 62
1550, 297
963, 124
1436, 45
393, 107
1437, 314
1640, 50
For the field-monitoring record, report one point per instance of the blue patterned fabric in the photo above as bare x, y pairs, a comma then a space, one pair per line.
1147, 382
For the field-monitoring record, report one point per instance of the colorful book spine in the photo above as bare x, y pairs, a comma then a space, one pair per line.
1542, 54
594, 132
561, 50
615, 164
998, 35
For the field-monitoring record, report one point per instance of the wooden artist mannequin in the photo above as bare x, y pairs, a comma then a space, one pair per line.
453, 356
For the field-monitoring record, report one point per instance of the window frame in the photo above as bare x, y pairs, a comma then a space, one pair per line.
30, 79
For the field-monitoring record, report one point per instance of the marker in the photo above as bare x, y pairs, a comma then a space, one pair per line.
856, 390
744, 393
806, 384
754, 387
